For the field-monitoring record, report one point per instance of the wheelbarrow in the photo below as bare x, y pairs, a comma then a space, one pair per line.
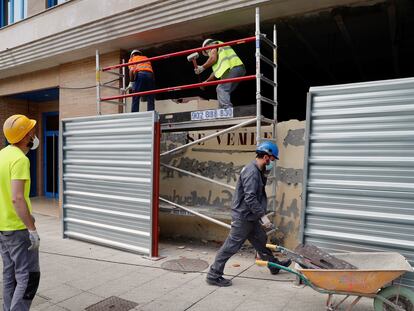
374, 278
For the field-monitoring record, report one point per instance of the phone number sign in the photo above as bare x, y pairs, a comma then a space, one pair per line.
212, 114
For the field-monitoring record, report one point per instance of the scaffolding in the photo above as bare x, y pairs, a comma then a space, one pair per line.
226, 125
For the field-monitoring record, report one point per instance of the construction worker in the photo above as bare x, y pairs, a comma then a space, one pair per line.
19, 240
249, 220
225, 64
141, 77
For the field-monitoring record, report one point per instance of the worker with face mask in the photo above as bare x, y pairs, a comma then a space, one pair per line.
19, 240
249, 220
225, 65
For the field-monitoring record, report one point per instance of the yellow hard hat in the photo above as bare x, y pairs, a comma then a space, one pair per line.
16, 127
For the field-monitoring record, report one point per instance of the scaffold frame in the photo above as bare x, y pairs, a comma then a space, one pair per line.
258, 38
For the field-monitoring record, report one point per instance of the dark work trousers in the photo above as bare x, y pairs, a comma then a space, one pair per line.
20, 270
144, 81
241, 230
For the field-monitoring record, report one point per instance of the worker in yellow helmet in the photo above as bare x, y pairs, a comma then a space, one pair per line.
225, 64
19, 241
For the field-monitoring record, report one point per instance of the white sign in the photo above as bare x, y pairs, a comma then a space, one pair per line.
212, 114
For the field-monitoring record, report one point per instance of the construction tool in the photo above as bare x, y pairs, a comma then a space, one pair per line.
321, 258
312, 257
193, 58
304, 262
267, 226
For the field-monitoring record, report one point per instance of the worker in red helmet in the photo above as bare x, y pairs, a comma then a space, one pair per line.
248, 213
141, 77
225, 65
19, 240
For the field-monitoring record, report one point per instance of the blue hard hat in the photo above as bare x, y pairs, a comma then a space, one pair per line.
269, 148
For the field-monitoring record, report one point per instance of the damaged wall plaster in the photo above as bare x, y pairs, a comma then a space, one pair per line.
222, 159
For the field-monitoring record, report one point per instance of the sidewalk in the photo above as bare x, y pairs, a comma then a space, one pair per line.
76, 275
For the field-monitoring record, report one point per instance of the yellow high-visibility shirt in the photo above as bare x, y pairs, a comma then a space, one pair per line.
14, 165
226, 59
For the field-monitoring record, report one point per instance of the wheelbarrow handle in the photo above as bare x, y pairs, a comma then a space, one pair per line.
261, 263
273, 247
264, 263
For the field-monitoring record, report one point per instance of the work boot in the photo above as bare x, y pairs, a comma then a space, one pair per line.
220, 281
284, 263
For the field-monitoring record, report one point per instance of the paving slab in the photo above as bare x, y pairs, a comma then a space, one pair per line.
77, 274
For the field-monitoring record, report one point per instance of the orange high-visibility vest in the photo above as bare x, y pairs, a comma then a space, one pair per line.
146, 66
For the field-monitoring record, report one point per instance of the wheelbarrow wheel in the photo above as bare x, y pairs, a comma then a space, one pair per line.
401, 296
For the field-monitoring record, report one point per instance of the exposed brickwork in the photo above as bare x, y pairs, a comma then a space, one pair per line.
75, 103
71, 103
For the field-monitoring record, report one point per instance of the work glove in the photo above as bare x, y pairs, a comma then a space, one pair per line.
34, 240
198, 70
131, 86
266, 223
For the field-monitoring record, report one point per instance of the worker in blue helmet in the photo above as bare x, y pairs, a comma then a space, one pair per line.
248, 215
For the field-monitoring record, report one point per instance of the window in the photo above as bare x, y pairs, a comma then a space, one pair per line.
51, 3
12, 11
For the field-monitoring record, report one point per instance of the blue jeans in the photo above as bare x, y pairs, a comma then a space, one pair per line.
224, 90
20, 270
144, 81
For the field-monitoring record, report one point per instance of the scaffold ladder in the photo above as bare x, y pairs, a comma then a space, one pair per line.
259, 119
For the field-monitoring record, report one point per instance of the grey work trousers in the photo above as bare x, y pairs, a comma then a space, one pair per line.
21, 273
241, 230
224, 90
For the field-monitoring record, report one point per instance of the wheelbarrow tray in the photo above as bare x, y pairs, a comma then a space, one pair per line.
374, 271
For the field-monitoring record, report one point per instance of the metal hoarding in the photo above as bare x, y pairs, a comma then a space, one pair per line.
359, 168
107, 172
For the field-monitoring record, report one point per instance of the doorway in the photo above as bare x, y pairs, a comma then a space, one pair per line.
51, 154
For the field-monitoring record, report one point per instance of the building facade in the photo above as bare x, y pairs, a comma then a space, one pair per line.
47, 67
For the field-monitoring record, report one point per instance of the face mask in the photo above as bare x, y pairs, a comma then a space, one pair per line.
269, 166
33, 144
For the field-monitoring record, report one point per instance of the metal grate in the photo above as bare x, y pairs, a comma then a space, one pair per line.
185, 265
112, 303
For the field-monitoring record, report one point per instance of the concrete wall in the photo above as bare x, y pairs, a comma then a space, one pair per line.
64, 33
222, 159
35, 7
35, 80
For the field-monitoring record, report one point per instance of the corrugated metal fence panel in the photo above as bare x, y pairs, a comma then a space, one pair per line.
360, 168
107, 180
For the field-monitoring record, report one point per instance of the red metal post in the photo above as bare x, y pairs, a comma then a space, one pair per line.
185, 52
156, 189
182, 87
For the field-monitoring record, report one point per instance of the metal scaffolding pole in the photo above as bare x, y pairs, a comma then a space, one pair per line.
123, 86
181, 87
258, 80
181, 53
274, 132
218, 222
198, 176
275, 81
98, 84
